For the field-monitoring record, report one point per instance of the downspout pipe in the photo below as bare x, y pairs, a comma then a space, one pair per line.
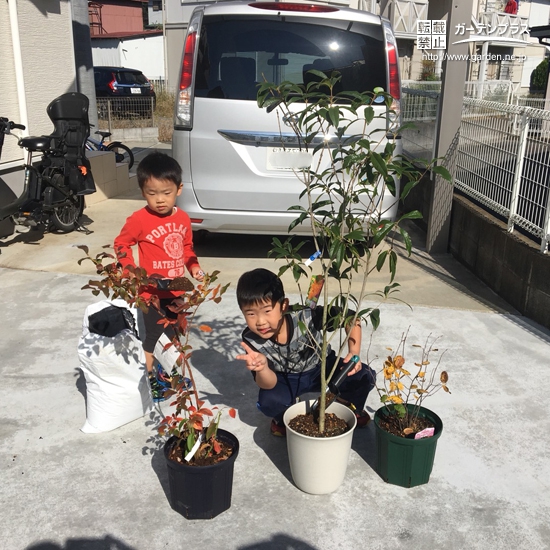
18, 62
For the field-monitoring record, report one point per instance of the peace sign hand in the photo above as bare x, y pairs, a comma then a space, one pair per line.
255, 361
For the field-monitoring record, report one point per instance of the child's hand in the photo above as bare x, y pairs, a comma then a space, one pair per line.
197, 273
357, 367
255, 361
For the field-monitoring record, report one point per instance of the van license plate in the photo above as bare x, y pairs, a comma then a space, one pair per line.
135, 90
287, 159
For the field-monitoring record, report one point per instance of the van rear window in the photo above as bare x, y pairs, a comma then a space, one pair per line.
236, 53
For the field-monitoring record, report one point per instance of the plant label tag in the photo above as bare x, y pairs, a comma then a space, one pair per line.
428, 432
167, 357
192, 452
315, 288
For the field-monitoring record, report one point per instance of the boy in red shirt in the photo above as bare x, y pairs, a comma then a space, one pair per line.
164, 238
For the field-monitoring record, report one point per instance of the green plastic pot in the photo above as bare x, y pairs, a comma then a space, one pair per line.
402, 461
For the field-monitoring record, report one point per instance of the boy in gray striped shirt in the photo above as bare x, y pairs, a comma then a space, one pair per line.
283, 358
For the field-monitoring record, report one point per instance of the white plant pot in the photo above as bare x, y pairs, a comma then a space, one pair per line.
318, 464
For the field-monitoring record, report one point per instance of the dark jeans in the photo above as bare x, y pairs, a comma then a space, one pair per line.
355, 388
153, 330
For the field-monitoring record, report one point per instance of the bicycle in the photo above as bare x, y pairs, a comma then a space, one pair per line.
121, 151
55, 187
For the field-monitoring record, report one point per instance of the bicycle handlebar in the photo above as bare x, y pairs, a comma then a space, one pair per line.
6, 126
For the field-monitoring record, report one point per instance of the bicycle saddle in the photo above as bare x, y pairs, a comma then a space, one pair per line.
41, 143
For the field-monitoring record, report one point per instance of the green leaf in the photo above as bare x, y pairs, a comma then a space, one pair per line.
374, 316
379, 163
407, 240
400, 410
442, 171
409, 186
334, 116
368, 114
393, 264
412, 215
381, 259
190, 440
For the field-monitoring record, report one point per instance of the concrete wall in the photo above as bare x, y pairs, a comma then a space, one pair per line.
508, 263
111, 179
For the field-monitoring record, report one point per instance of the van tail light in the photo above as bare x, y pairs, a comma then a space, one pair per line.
184, 103
393, 72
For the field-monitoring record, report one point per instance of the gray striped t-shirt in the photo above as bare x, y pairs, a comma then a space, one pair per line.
302, 352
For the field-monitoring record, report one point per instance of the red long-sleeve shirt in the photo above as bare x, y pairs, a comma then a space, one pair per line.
165, 244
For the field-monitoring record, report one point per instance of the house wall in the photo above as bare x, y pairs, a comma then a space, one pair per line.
145, 54
534, 56
8, 87
538, 14
121, 16
46, 47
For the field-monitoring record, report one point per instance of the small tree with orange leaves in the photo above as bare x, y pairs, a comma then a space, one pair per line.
188, 421
406, 388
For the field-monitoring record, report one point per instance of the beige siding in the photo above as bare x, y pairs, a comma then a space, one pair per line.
46, 45
48, 57
9, 106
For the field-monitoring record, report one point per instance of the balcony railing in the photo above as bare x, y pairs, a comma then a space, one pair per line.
501, 25
404, 15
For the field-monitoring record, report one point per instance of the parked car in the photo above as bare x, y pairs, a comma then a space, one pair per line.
236, 177
129, 87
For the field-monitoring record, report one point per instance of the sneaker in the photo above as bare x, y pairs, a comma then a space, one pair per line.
162, 376
166, 379
278, 429
363, 418
179, 378
157, 389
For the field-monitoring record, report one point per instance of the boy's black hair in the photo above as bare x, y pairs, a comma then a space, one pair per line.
259, 286
160, 166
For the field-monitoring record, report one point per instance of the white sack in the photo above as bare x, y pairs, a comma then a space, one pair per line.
117, 389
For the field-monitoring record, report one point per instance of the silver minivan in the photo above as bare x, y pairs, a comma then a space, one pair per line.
236, 176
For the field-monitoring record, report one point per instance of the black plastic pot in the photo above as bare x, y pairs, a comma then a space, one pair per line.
402, 461
202, 492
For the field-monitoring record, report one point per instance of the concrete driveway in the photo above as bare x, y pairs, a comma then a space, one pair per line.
63, 489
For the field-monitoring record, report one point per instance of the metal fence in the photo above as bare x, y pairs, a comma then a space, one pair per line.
160, 85
503, 162
125, 112
419, 105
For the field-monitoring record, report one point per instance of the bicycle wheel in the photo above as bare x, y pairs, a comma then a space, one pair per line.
65, 216
122, 153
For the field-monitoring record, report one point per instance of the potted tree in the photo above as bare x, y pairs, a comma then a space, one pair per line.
406, 431
349, 197
199, 455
